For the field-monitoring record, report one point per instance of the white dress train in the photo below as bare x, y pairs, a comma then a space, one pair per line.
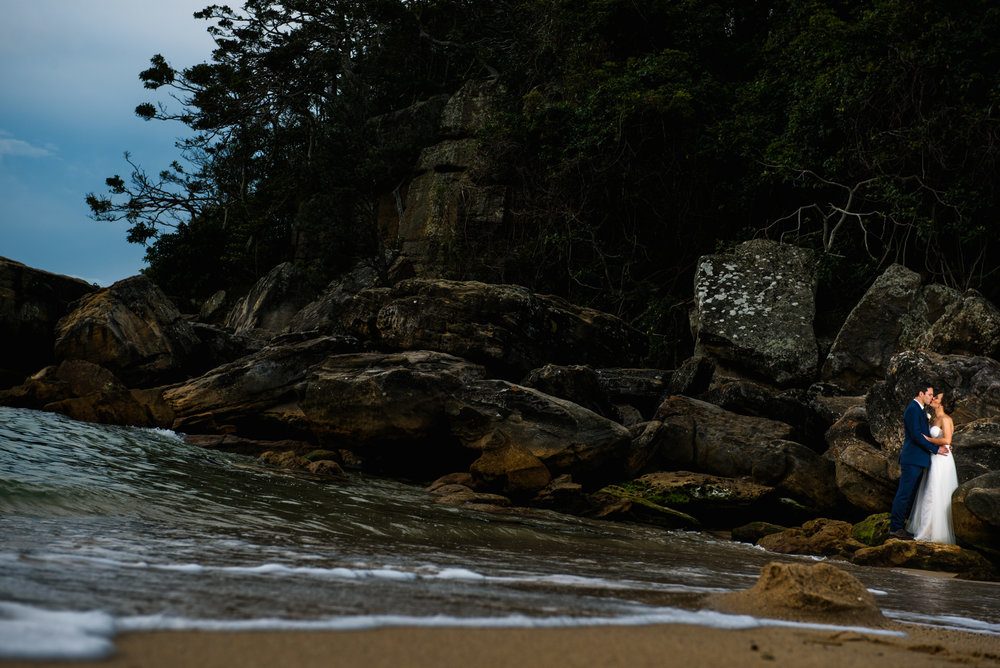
930, 520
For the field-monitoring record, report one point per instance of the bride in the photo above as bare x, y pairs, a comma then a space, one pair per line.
930, 519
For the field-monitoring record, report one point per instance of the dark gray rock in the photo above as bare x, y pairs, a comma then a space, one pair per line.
31, 303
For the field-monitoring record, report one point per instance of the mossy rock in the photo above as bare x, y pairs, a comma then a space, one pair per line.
644, 509
873, 530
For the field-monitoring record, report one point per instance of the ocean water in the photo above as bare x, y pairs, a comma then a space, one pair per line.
107, 529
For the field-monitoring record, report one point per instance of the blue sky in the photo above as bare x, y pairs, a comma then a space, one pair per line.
69, 84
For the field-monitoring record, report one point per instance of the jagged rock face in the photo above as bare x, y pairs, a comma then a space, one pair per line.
870, 336
506, 328
271, 303
31, 303
414, 412
446, 198
896, 315
754, 310
131, 329
323, 314
975, 508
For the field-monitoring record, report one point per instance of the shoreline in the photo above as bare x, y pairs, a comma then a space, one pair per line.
632, 646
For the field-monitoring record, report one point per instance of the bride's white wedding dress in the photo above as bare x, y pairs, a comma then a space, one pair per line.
930, 519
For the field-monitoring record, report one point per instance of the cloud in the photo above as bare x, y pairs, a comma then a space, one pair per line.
22, 149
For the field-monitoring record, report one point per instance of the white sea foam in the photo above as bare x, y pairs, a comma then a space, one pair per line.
32, 633
360, 622
946, 621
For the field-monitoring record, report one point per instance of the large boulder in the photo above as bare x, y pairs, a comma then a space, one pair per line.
256, 396
977, 448
821, 537
272, 302
507, 328
87, 392
754, 311
413, 413
699, 436
951, 322
323, 314
797, 407
972, 382
870, 336
898, 314
924, 556
975, 508
577, 383
491, 415
865, 475
713, 500
131, 329
31, 303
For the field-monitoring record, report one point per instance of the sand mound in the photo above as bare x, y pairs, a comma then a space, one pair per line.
818, 593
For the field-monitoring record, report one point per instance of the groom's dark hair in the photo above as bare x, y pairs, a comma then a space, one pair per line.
921, 387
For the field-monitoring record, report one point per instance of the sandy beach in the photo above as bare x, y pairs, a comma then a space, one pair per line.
680, 645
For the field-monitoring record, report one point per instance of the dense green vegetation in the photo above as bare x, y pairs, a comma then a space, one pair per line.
634, 136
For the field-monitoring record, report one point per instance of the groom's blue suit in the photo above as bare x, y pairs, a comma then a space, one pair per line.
914, 459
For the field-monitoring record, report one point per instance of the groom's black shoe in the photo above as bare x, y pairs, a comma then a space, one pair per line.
901, 534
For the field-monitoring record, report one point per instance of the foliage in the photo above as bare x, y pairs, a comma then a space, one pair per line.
633, 136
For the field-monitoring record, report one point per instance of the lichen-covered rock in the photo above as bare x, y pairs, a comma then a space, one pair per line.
950, 322
976, 448
31, 303
754, 310
131, 329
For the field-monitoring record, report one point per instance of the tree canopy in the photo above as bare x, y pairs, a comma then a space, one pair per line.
634, 136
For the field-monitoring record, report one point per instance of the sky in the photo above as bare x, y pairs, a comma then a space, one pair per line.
69, 85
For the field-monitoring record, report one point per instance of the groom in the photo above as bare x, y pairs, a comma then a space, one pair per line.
914, 459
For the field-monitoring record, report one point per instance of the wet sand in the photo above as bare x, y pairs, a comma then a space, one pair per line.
639, 646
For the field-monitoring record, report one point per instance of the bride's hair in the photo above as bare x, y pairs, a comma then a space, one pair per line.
947, 402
